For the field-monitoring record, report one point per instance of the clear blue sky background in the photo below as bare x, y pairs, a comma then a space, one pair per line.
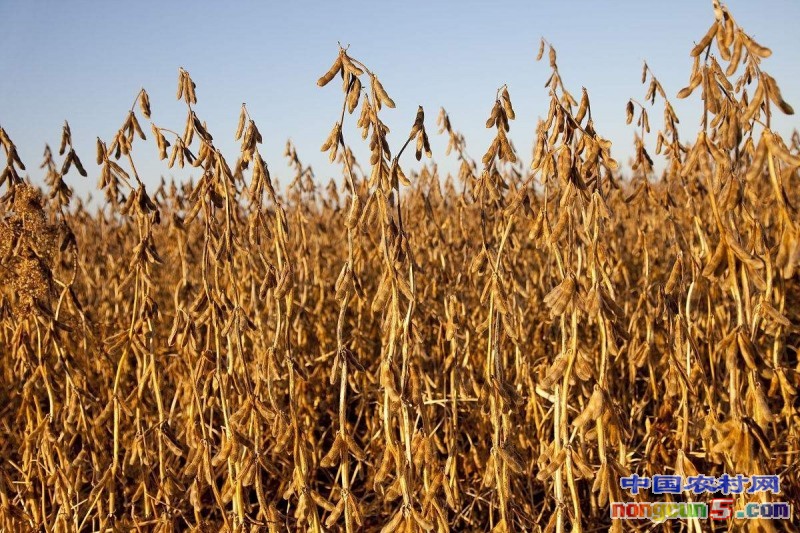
85, 62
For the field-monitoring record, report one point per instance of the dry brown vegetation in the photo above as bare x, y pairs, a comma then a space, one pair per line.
406, 351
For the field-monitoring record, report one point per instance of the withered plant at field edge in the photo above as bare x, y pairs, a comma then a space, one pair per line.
398, 351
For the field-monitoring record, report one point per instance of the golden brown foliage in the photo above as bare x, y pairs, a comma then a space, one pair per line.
404, 351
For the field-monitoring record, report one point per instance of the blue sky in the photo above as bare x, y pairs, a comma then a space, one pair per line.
85, 62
